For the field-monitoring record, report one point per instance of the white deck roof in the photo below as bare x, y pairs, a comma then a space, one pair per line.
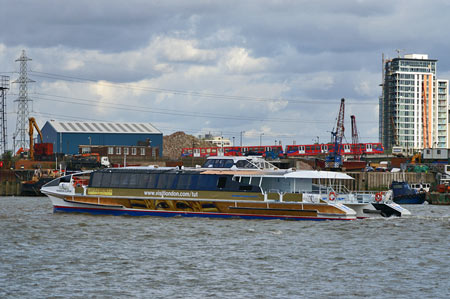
314, 174
281, 173
103, 127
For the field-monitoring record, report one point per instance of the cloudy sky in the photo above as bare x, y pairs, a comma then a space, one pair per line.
275, 70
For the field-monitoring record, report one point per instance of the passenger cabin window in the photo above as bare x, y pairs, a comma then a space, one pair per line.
245, 180
165, 180
218, 163
183, 182
153, 181
106, 180
97, 179
133, 183
221, 182
124, 180
115, 180
194, 182
143, 180
228, 163
208, 164
244, 164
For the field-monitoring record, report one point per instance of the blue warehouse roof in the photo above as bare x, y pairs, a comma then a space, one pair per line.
103, 127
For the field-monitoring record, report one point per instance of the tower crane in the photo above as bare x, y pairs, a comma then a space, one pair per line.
334, 159
355, 139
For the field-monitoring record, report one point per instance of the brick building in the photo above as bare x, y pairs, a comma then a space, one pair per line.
121, 154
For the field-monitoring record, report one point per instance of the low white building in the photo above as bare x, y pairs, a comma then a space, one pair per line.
219, 141
435, 153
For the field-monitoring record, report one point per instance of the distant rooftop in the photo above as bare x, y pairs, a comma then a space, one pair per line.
103, 127
416, 56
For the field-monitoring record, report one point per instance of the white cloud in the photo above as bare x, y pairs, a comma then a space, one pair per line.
73, 64
179, 50
238, 60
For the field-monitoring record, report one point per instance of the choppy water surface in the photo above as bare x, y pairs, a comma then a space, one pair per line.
75, 255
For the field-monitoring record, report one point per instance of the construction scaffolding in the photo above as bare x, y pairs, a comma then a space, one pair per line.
387, 107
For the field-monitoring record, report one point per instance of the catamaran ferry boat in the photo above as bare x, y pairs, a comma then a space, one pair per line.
224, 187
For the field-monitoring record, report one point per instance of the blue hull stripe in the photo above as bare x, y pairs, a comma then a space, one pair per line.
176, 213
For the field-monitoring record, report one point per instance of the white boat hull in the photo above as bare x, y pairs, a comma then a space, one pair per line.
63, 203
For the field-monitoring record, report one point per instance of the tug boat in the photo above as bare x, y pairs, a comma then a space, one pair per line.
404, 194
225, 187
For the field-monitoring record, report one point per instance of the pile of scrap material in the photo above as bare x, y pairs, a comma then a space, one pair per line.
300, 165
174, 143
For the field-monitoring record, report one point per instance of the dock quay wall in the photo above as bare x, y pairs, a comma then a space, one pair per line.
8, 188
367, 181
9, 183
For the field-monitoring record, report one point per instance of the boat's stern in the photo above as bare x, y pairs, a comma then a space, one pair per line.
339, 211
403, 212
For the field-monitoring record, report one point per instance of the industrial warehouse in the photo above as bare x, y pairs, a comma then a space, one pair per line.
67, 137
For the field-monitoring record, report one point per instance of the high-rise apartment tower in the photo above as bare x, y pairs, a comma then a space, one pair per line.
413, 104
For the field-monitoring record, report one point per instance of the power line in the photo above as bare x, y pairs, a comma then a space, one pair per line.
186, 92
110, 105
172, 112
194, 130
77, 118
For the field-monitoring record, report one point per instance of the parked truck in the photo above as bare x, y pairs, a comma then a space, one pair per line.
86, 161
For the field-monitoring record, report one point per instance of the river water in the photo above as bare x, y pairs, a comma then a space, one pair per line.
47, 255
